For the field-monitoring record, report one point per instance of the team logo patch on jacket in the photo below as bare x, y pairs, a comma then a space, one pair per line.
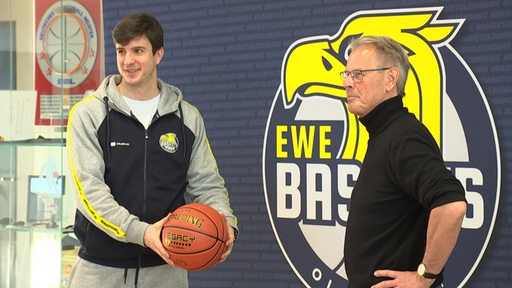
169, 142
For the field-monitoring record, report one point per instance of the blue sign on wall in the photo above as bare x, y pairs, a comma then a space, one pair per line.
229, 59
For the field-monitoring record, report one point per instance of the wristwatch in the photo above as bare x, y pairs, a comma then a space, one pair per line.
422, 270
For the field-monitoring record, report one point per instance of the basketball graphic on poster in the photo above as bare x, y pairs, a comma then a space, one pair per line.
68, 53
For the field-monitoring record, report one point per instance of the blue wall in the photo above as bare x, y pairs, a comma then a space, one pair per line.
226, 56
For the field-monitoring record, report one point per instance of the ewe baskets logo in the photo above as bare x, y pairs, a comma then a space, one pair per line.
313, 146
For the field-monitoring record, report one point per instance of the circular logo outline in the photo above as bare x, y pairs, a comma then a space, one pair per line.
316, 274
66, 44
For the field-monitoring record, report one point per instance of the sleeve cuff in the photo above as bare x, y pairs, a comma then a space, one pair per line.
135, 233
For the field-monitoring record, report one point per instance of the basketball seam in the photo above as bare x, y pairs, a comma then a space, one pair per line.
211, 219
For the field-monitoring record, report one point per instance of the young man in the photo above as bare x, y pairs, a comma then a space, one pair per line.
135, 148
406, 208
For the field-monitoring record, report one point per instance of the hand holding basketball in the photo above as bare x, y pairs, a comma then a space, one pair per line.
195, 235
153, 240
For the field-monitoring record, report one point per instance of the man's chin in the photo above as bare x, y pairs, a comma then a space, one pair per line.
352, 108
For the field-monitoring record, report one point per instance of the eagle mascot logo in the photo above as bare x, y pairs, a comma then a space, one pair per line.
314, 147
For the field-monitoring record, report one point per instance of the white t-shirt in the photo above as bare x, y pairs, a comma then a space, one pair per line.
144, 110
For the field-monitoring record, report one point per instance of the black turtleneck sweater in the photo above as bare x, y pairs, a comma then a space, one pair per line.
403, 177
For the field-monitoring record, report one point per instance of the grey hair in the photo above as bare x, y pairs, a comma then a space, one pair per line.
393, 55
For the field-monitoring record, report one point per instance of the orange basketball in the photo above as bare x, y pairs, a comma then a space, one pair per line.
195, 236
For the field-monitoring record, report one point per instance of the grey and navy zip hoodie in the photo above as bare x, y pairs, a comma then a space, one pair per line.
127, 177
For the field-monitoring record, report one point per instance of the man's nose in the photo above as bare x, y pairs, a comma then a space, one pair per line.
347, 82
128, 59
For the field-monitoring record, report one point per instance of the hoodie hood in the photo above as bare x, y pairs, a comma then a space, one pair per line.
170, 96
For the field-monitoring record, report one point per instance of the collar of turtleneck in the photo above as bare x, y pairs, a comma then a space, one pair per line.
383, 114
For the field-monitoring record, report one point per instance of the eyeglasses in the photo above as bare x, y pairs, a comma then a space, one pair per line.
357, 75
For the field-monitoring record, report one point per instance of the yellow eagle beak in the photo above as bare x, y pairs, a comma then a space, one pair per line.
312, 68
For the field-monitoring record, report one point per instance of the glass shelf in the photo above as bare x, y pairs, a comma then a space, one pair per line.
35, 224
36, 142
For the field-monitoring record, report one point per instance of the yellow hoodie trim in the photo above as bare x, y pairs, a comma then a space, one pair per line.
83, 198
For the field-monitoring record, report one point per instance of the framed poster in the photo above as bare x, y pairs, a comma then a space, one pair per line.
69, 56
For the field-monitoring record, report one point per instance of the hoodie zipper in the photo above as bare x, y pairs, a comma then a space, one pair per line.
146, 137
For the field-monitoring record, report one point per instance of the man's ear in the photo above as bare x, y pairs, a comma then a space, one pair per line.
159, 54
392, 78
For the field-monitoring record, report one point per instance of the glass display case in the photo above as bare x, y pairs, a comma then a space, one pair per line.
46, 55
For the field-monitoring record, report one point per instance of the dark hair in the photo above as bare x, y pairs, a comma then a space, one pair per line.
139, 24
